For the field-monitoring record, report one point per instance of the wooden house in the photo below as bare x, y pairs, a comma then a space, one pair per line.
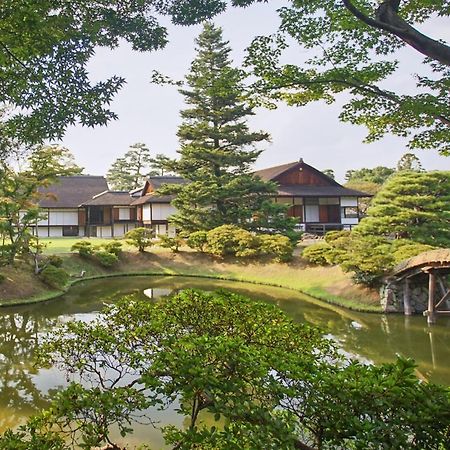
316, 200
110, 214
61, 205
154, 209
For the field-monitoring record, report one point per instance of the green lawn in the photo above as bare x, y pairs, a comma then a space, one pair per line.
63, 244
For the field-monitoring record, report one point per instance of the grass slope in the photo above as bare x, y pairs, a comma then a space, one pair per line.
326, 283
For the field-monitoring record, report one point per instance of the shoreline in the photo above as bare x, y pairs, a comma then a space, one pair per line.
192, 265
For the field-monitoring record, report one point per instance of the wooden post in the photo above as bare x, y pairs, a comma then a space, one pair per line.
407, 298
431, 317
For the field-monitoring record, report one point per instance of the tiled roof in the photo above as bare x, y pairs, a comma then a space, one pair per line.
69, 192
272, 172
110, 198
319, 191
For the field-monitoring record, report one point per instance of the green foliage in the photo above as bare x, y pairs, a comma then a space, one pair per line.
2, 278
105, 258
55, 277
114, 247
272, 382
140, 237
132, 170
368, 257
277, 246
412, 205
34, 435
20, 192
272, 218
377, 175
230, 240
173, 243
47, 47
54, 260
84, 248
353, 48
332, 236
409, 161
403, 249
197, 240
217, 150
320, 253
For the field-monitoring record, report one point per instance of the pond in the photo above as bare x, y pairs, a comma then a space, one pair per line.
371, 337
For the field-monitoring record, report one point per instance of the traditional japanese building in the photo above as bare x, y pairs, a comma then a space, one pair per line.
316, 200
83, 205
154, 209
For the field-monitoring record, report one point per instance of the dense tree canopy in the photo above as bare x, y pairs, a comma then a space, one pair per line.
19, 195
45, 47
355, 49
217, 146
265, 382
411, 205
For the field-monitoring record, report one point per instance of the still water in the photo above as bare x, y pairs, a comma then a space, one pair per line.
371, 337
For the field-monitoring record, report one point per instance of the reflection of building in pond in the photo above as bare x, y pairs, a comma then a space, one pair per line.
157, 292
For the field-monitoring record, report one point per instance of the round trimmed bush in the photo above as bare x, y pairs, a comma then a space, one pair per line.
84, 248
276, 245
319, 253
197, 240
106, 259
56, 277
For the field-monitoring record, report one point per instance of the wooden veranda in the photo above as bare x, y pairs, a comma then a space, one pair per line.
434, 267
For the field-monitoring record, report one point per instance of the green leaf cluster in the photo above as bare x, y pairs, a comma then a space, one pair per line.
412, 205
268, 382
140, 237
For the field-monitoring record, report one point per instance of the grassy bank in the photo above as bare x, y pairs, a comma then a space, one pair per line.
326, 283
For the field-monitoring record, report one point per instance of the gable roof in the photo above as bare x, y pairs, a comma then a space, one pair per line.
331, 188
273, 173
157, 181
110, 198
70, 192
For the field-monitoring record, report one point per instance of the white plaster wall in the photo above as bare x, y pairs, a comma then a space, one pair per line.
349, 201
124, 213
56, 232
349, 220
64, 217
104, 232
161, 211
146, 212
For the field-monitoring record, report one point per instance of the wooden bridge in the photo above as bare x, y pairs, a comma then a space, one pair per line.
431, 268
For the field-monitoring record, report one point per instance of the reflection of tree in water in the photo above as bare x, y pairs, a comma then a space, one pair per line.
19, 397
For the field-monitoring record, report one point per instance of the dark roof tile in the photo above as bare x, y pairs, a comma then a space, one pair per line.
70, 192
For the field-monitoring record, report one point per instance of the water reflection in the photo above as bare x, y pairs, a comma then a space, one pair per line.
378, 338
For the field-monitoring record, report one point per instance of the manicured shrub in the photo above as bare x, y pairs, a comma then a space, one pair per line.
280, 247
368, 257
114, 247
141, 238
105, 258
319, 253
173, 243
56, 277
232, 241
197, 240
84, 248
332, 236
54, 260
403, 249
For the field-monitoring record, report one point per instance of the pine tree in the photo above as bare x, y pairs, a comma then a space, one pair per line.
217, 146
411, 205
131, 171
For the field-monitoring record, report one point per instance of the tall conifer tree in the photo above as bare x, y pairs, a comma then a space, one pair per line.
217, 146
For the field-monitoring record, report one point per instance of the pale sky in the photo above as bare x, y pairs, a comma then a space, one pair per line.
150, 113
